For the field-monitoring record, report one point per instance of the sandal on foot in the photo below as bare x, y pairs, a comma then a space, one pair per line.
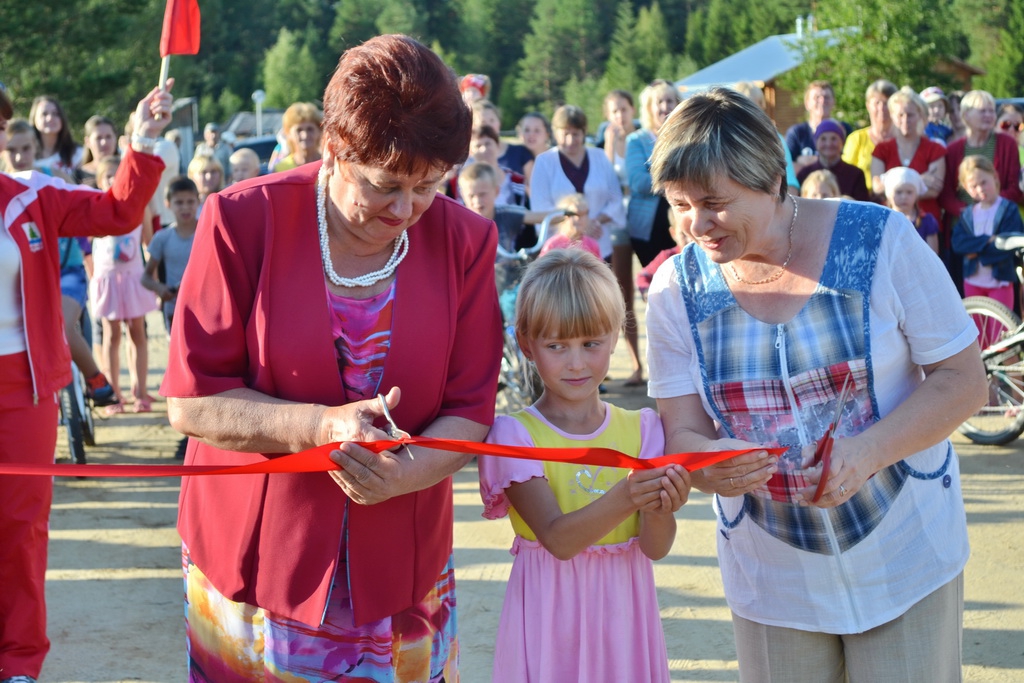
142, 405
113, 409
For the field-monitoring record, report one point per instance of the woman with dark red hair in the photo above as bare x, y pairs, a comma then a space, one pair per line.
308, 295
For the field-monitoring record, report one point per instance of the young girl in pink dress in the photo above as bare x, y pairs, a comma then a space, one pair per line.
581, 603
116, 295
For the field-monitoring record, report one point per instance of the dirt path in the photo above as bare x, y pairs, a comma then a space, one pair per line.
115, 593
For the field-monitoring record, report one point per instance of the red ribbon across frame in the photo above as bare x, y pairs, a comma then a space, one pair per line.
317, 460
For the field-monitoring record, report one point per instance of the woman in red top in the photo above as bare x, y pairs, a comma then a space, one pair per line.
909, 147
978, 109
308, 293
36, 210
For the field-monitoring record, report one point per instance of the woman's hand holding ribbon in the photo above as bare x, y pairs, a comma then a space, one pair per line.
742, 474
366, 477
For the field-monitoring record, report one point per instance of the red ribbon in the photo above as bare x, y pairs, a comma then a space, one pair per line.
317, 460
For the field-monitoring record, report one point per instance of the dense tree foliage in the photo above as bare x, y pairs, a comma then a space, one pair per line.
99, 56
874, 39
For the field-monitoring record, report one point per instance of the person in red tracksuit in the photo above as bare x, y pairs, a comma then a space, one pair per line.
35, 210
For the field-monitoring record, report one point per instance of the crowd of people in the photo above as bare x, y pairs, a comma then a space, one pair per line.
353, 286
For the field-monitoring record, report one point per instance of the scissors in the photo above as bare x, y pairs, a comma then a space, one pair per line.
392, 429
823, 451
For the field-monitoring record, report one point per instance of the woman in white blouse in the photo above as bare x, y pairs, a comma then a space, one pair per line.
570, 167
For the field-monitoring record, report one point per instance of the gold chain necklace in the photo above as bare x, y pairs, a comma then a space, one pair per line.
782, 269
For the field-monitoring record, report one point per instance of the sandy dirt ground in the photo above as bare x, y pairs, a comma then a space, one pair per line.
115, 592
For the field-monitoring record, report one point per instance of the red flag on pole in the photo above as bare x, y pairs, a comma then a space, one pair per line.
180, 35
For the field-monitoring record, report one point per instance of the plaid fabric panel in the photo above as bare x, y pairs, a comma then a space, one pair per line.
777, 384
816, 393
806, 528
757, 396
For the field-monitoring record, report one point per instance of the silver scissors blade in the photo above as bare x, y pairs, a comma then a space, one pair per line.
844, 395
393, 429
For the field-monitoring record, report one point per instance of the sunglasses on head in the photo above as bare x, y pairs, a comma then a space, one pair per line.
1006, 125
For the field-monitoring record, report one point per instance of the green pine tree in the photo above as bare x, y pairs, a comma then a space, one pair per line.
289, 72
563, 43
621, 70
1004, 75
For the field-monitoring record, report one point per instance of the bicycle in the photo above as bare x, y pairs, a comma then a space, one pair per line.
76, 406
1001, 339
76, 416
518, 383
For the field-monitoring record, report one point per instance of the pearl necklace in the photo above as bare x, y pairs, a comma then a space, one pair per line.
782, 269
399, 253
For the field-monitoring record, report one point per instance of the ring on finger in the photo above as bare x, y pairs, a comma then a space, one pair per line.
732, 483
842, 491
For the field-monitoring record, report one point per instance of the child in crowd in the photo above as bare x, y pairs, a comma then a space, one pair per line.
575, 230
646, 275
483, 147
937, 128
988, 271
245, 164
902, 188
170, 250
820, 184
117, 295
478, 187
171, 247
581, 603
208, 175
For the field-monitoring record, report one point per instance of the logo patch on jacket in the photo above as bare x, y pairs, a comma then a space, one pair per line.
35, 239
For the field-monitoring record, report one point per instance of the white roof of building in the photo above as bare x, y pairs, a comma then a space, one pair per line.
760, 63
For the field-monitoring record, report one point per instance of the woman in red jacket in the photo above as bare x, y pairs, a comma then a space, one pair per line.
35, 210
309, 293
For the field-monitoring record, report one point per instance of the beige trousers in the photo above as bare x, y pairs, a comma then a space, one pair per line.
924, 645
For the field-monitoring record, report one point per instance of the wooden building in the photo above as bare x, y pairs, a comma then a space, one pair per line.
765, 62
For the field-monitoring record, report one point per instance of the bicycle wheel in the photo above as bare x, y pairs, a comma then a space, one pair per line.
85, 407
1001, 419
518, 385
72, 418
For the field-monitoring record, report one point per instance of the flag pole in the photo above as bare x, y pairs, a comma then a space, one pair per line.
165, 67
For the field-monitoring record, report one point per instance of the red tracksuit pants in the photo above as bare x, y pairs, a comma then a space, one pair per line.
28, 433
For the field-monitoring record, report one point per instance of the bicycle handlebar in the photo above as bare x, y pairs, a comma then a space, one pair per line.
542, 237
1009, 241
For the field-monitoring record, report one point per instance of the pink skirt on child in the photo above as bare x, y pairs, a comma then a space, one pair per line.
592, 618
119, 295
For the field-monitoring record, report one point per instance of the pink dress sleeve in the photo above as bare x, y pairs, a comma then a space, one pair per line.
496, 472
652, 437
590, 244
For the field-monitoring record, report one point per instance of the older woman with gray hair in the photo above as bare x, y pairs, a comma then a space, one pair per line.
909, 147
787, 321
